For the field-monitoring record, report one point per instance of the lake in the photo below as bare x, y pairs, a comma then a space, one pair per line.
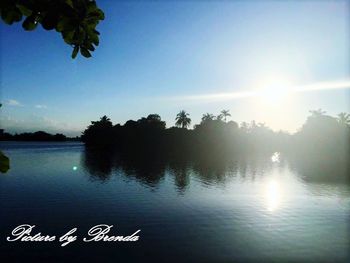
249, 209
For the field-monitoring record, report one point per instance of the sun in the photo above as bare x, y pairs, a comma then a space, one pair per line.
275, 91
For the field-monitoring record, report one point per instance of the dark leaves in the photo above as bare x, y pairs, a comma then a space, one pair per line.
66, 24
68, 37
75, 52
90, 47
94, 38
11, 14
76, 20
24, 10
70, 3
30, 23
4, 163
85, 52
50, 21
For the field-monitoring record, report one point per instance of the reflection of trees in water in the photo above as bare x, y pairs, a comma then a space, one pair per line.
318, 152
211, 170
150, 167
255, 166
313, 169
146, 169
322, 189
98, 164
181, 171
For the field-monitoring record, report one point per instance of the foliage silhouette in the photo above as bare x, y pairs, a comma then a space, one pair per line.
32, 136
207, 117
4, 163
4, 160
323, 143
182, 119
224, 114
322, 140
76, 20
344, 118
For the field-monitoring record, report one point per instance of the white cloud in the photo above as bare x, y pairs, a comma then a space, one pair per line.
39, 106
12, 102
345, 84
34, 123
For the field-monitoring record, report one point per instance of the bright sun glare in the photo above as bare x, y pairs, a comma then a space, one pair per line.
275, 91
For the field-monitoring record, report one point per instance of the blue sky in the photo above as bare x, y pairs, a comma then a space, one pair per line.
161, 57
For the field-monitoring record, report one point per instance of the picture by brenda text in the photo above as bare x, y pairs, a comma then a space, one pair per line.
24, 233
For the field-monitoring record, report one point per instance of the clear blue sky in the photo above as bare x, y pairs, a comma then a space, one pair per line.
162, 57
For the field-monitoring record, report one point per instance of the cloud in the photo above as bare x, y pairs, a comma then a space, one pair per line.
12, 102
332, 85
39, 106
34, 123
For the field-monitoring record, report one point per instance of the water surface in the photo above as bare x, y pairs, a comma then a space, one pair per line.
249, 209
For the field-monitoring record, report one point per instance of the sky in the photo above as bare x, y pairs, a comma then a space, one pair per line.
200, 56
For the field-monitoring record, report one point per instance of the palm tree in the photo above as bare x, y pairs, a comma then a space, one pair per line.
344, 118
103, 122
219, 117
182, 119
208, 117
224, 114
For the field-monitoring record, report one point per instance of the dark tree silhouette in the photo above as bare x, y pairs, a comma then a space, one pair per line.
4, 163
99, 132
224, 114
4, 160
182, 119
207, 117
322, 142
313, 146
152, 121
33, 136
76, 20
344, 118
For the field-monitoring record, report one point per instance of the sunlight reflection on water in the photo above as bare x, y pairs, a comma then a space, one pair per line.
273, 192
272, 195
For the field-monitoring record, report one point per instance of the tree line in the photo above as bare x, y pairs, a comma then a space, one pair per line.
320, 148
213, 131
323, 141
36, 136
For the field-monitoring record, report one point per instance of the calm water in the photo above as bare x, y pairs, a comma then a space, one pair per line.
257, 209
